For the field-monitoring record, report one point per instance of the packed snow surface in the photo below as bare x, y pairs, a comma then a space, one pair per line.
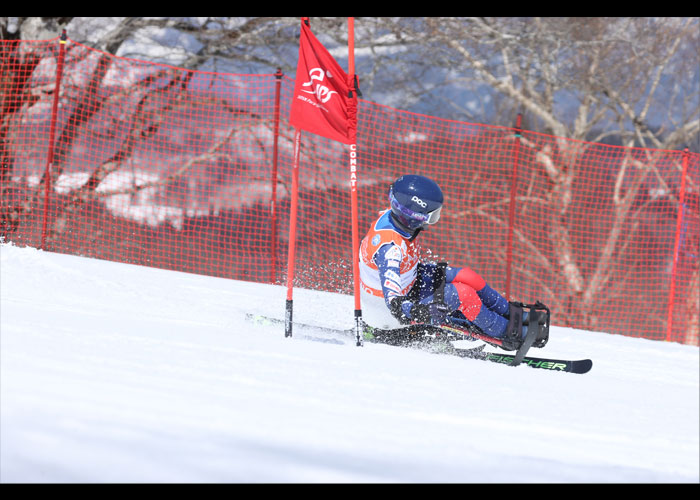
119, 373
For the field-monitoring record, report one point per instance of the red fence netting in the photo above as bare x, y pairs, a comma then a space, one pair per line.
187, 170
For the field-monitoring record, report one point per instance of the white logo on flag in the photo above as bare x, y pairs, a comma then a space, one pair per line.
322, 92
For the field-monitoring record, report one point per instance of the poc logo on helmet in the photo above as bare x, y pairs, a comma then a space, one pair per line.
419, 201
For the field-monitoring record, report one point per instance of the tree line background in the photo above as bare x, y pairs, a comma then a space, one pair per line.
629, 81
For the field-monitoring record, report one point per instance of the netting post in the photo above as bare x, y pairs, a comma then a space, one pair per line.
52, 133
676, 246
273, 180
511, 211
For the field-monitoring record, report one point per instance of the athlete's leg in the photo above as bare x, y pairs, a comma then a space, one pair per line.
489, 297
468, 293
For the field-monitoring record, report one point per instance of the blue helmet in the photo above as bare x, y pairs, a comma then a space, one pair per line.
415, 201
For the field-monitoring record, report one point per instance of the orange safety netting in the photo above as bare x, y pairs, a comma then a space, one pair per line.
187, 170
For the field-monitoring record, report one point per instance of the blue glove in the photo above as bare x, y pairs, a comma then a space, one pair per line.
400, 308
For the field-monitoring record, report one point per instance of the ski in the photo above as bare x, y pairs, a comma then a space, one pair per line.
436, 340
263, 320
578, 366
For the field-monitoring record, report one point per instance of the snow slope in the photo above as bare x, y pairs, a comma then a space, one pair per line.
119, 373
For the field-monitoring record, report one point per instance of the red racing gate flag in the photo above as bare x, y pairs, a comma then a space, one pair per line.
321, 99
324, 103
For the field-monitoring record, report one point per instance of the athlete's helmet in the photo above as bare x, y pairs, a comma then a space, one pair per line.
415, 201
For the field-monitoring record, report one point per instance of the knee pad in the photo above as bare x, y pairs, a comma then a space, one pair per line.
465, 275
